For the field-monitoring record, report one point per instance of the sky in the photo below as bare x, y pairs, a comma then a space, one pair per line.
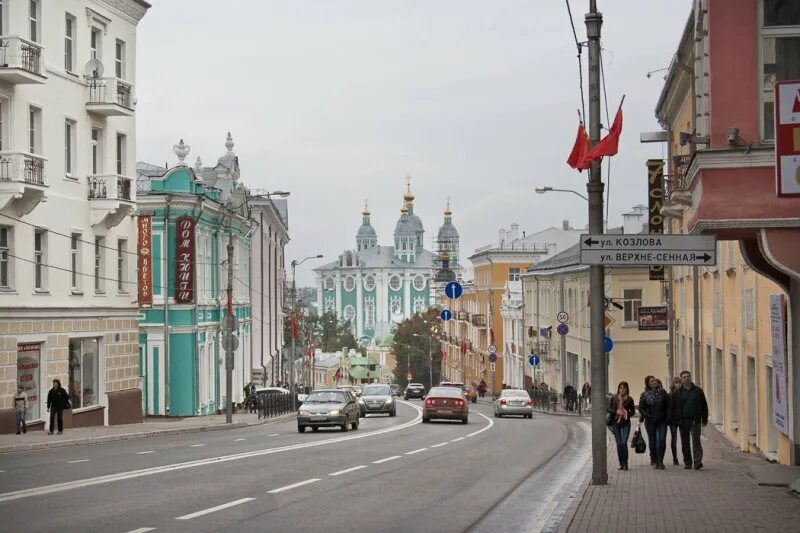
337, 101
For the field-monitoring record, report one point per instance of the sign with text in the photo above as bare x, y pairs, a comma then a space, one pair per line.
29, 376
144, 260
787, 138
780, 414
184, 260
643, 250
655, 198
653, 318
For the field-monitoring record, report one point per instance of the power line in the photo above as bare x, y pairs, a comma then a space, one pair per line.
579, 46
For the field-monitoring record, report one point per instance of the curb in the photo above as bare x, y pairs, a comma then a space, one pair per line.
138, 435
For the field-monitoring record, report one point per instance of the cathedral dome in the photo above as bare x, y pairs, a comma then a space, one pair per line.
447, 232
366, 230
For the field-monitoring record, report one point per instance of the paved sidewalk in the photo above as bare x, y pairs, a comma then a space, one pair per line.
720, 497
35, 440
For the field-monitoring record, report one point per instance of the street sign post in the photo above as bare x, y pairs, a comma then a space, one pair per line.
562, 316
492, 348
492, 357
446, 314
644, 250
533, 360
562, 329
230, 323
453, 290
608, 344
492, 367
230, 343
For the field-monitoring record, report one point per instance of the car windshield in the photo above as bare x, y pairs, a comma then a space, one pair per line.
514, 394
445, 392
326, 397
376, 390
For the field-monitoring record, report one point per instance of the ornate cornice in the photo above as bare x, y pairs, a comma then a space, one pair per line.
135, 9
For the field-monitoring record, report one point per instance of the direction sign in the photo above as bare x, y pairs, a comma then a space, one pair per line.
492, 348
636, 250
491, 367
533, 360
562, 316
446, 314
608, 344
453, 290
492, 357
562, 329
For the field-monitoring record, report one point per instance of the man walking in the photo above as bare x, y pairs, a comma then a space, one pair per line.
57, 401
689, 410
20, 406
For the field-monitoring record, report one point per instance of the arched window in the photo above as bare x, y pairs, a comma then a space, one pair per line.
395, 282
349, 283
348, 259
369, 313
349, 313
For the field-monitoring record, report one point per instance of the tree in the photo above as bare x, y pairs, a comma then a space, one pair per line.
414, 339
326, 332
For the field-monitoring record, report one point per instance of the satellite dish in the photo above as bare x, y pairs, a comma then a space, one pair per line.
94, 68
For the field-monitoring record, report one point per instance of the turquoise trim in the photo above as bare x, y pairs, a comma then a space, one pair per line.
182, 371
157, 283
156, 380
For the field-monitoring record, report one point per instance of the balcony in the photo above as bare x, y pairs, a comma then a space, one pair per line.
110, 97
21, 61
22, 182
111, 199
677, 194
479, 320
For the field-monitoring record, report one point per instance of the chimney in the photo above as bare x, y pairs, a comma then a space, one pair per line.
565, 225
514, 231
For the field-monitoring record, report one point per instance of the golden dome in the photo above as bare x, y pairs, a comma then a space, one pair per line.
408, 196
365, 212
404, 209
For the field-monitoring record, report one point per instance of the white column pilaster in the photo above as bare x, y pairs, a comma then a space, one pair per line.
359, 306
407, 294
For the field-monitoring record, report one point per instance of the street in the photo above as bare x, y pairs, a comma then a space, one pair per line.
393, 474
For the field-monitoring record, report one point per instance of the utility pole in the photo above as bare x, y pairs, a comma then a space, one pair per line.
489, 327
594, 22
294, 340
229, 348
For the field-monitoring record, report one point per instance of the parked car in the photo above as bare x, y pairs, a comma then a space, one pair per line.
514, 402
414, 390
445, 403
271, 390
377, 398
395, 389
469, 393
328, 408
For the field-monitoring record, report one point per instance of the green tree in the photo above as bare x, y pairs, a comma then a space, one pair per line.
416, 344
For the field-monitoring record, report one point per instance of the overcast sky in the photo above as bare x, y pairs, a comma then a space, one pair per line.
338, 100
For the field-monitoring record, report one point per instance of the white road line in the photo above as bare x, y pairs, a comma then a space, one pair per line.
440, 444
488, 426
214, 509
142, 530
386, 459
131, 474
274, 434
293, 486
197, 445
145, 452
348, 470
238, 440
416, 451
79, 461
458, 439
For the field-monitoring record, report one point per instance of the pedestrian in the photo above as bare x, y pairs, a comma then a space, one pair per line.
567, 396
20, 406
653, 407
688, 405
622, 409
674, 423
647, 388
586, 393
482, 388
57, 401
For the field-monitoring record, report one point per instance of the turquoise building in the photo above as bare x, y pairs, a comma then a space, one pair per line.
181, 359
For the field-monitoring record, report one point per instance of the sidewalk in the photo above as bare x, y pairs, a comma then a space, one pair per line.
720, 497
152, 426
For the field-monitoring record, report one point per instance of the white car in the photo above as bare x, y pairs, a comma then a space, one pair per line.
513, 402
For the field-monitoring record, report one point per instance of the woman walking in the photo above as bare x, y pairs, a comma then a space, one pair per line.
674, 423
652, 449
653, 406
622, 409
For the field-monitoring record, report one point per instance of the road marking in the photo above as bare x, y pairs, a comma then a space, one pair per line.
197, 445
238, 440
348, 470
79, 461
120, 476
440, 444
386, 459
293, 486
145, 452
458, 439
488, 426
274, 434
142, 530
416, 451
214, 509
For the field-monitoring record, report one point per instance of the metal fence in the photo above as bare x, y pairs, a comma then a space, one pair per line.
553, 402
269, 405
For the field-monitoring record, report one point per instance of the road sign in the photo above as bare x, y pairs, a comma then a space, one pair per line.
491, 367
787, 137
230, 343
230, 323
533, 360
609, 320
492, 357
608, 344
453, 290
446, 314
562, 329
643, 250
562, 316
492, 348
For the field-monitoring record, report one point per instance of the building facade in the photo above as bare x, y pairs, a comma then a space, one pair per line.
67, 237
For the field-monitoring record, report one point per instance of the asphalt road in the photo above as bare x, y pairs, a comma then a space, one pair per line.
393, 474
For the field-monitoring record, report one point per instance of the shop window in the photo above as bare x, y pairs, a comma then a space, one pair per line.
29, 377
780, 54
84, 372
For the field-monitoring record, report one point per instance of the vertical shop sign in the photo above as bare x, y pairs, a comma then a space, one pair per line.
144, 261
780, 416
655, 200
184, 260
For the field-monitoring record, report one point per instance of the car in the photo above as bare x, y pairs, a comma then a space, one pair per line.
414, 390
377, 398
469, 393
445, 403
513, 402
349, 388
328, 408
269, 391
395, 389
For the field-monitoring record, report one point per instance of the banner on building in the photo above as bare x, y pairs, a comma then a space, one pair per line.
184, 260
653, 318
655, 200
780, 416
787, 137
144, 262
29, 376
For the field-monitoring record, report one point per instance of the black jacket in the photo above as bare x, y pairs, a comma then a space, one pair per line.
627, 404
688, 404
57, 399
653, 406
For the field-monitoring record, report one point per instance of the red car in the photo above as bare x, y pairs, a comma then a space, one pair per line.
445, 403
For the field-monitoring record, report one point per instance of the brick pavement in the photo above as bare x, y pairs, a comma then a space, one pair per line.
721, 497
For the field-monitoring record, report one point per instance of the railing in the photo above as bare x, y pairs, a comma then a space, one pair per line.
109, 186
27, 168
269, 405
16, 52
123, 188
515, 247
550, 401
110, 91
678, 180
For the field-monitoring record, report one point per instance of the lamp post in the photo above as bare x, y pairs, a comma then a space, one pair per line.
547, 188
295, 263
430, 358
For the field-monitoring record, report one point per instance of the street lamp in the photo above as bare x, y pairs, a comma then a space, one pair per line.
295, 263
546, 189
430, 357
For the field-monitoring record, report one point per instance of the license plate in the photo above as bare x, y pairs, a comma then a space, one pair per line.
444, 411
517, 403
318, 418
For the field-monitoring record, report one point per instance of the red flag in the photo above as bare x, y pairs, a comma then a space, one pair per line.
579, 149
294, 328
464, 347
608, 145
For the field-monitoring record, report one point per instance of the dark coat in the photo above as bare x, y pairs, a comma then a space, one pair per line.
57, 399
627, 403
688, 404
654, 406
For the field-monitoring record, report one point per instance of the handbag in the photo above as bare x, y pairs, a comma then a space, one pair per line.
637, 442
609, 418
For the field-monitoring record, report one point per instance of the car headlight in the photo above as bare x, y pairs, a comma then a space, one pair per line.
303, 412
334, 412
389, 400
361, 400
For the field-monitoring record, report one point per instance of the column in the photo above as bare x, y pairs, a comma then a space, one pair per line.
407, 294
320, 303
338, 284
359, 306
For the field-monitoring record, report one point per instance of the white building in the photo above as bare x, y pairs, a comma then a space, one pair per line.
67, 237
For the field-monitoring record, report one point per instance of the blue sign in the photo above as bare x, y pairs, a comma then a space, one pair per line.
533, 360
609, 344
562, 329
446, 314
492, 357
453, 290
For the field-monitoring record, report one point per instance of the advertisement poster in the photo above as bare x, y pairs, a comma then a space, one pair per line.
653, 318
184, 260
28, 377
145, 261
779, 394
655, 197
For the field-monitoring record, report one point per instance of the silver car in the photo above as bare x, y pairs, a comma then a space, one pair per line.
514, 402
328, 408
377, 398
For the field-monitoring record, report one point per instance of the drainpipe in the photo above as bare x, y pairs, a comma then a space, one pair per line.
166, 307
538, 331
696, 323
261, 282
564, 381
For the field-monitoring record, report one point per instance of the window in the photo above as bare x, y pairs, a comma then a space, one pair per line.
95, 44
632, 300
419, 282
29, 377
34, 130
329, 284
513, 274
83, 372
5, 262
369, 282
69, 44
33, 19
119, 60
2, 17
780, 54
122, 265
75, 261
369, 313
121, 147
98, 264
39, 245
69, 147
95, 151
395, 282
349, 283
2, 116
781, 13
349, 313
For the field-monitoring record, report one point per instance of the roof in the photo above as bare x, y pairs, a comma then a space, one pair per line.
366, 230
361, 361
362, 372
383, 257
447, 231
